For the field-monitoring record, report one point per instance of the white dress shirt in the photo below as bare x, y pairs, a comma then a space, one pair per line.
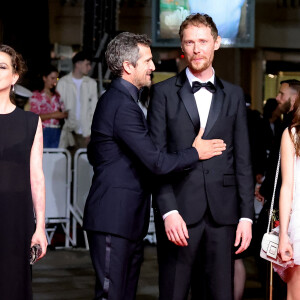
203, 97
78, 82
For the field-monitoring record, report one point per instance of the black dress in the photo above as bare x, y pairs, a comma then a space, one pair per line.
17, 131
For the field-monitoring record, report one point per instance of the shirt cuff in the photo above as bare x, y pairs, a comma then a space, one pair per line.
169, 213
176, 211
246, 219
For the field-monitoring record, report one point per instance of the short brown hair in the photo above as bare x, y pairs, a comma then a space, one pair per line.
17, 61
198, 20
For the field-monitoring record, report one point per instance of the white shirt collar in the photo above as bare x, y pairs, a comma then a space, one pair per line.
193, 78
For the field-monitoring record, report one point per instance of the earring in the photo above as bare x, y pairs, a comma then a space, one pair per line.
13, 87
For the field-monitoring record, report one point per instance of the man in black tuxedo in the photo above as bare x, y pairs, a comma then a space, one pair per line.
121, 151
202, 214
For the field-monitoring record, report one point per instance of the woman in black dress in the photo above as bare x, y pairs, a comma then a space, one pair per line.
22, 184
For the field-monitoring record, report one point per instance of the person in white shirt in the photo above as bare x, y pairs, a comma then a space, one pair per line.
79, 95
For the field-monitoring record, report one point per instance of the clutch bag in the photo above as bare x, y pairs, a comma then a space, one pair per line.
35, 253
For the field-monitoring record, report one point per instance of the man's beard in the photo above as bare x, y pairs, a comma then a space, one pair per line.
200, 67
286, 107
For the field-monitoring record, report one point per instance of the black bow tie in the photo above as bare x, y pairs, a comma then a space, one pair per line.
196, 86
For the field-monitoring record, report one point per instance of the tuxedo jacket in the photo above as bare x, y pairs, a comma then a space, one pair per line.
121, 153
222, 184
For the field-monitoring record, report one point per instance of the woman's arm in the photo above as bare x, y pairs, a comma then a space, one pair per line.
54, 115
37, 181
286, 194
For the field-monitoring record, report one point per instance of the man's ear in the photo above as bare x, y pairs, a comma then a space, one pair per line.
128, 67
293, 100
217, 43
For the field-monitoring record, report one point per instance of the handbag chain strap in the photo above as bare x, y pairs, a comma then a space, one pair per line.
274, 191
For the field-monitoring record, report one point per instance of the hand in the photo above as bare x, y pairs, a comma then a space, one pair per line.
59, 115
66, 114
176, 229
39, 237
285, 249
259, 197
244, 233
208, 148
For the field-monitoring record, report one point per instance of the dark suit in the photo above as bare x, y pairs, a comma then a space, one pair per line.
118, 205
211, 197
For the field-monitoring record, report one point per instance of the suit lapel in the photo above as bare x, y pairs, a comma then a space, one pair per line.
216, 106
188, 99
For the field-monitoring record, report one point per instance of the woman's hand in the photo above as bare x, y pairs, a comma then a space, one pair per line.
39, 237
60, 115
285, 249
55, 115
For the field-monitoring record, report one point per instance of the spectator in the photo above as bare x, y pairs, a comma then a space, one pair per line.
79, 95
46, 103
258, 156
21, 96
271, 123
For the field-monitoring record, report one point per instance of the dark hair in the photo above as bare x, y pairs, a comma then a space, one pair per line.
81, 56
17, 61
294, 84
199, 20
269, 107
124, 47
46, 71
296, 124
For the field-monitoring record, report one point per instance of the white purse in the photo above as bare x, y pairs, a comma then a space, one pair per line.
270, 241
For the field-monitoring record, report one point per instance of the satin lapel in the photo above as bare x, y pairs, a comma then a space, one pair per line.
215, 108
189, 102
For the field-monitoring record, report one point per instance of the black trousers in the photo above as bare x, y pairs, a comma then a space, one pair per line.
206, 264
117, 262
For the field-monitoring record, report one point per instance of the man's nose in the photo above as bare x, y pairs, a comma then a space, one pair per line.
152, 66
197, 48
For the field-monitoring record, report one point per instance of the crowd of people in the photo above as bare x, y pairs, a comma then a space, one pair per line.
65, 105
199, 152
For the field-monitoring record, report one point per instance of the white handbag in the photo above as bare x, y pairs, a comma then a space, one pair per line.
269, 248
270, 241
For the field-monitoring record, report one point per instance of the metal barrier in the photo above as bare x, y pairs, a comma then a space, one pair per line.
57, 171
82, 179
